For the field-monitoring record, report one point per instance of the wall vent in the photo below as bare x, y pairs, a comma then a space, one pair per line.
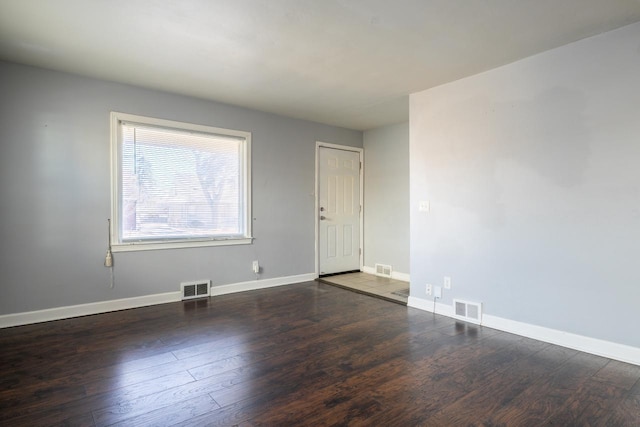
191, 290
383, 270
469, 311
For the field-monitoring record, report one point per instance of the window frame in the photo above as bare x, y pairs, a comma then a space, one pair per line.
117, 245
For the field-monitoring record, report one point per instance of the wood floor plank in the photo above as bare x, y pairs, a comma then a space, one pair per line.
337, 397
438, 391
171, 415
591, 405
209, 355
162, 399
626, 413
231, 415
304, 354
52, 414
618, 373
35, 398
539, 401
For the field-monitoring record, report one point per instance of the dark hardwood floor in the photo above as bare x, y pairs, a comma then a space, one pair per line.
306, 354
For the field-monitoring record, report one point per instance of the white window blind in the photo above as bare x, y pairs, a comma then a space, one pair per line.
180, 184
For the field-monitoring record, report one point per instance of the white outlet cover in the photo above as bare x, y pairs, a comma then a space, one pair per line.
424, 206
447, 282
429, 289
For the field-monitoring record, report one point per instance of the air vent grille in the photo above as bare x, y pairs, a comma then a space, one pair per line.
383, 270
469, 311
191, 290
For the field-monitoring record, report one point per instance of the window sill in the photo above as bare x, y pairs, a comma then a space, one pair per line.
178, 244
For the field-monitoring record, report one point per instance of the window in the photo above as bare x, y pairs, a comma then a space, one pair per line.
178, 184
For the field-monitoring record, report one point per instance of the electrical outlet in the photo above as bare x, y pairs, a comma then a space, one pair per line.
447, 282
256, 267
429, 289
437, 292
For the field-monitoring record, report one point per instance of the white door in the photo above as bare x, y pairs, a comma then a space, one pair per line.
339, 210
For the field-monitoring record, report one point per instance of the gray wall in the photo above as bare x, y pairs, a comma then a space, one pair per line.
55, 188
386, 197
533, 177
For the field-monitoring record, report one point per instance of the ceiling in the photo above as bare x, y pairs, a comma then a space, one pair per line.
349, 63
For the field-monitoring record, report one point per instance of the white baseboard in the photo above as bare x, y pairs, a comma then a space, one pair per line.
611, 350
261, 284
57, 313
404, 277
621, 352
427, 305
368, 270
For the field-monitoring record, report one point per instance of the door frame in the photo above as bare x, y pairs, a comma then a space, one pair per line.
316, 192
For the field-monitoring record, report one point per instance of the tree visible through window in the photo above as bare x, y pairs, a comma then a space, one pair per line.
180, 183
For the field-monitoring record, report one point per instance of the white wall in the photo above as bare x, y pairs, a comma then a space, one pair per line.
533, 175
55, 191
386, 197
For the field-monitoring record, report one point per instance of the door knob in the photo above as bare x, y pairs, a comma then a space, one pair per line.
321, 209
322, 217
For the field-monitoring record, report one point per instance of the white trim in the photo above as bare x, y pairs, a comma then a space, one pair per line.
403, 277
136, 246
368, 270
260, 284
316, 194
611, 350
427, 305
621, 352
57, 313
316, 212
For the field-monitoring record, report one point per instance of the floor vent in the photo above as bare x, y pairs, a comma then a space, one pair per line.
383, 270
191, 290
469, 311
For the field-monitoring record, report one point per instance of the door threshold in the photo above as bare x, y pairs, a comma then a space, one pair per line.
339, 273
